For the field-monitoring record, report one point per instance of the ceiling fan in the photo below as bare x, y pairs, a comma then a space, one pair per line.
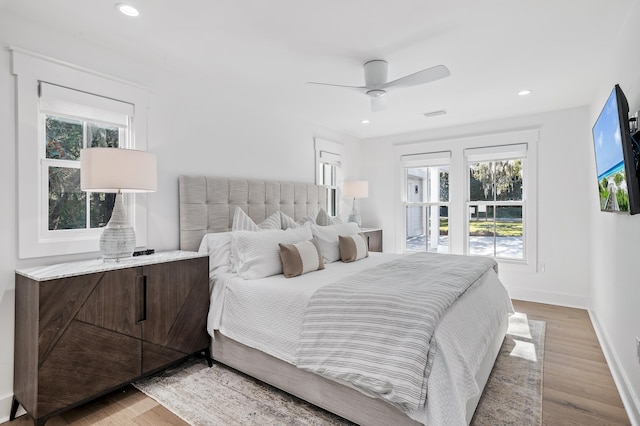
376, 84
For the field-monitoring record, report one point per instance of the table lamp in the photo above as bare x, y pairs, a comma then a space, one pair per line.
117, 170
355, 189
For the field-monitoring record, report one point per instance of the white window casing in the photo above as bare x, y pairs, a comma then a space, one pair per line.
432, 161
329, 153
463, 150
44, 85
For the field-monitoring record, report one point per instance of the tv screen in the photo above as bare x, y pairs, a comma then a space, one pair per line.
618, 183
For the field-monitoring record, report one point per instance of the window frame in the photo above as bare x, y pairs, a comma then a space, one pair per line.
498, 203
458, 188
427, 160
30, 69
124, 142
330, 153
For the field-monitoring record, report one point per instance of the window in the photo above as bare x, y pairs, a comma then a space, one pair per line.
495, 209
472, 195
329, 177
61, 109
426, 202
328, 166
65, 130
496, 202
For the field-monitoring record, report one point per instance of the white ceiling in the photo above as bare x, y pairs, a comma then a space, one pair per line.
265, 51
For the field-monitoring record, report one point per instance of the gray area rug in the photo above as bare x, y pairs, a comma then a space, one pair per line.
222, 396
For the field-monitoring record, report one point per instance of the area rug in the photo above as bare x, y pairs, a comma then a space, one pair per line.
221, 396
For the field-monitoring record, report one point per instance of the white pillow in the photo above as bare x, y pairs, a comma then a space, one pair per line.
218, 246
323, 218
328, 238
287, 222
257, 254
242, 222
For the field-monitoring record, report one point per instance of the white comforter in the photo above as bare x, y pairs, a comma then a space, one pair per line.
267, 314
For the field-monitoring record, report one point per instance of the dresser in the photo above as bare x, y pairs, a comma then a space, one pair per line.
374, 238
84, 329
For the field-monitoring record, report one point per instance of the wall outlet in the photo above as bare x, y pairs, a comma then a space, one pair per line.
541, 266
638, 348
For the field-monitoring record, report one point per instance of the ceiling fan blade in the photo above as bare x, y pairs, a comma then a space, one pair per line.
356, 88
378, 103
420, 77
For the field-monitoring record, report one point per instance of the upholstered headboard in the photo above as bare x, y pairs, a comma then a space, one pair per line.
207, 203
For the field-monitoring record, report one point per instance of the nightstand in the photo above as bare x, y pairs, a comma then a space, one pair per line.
374, 238
87, 328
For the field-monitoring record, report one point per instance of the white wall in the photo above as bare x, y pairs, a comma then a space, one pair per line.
564, 185
193, 129
615, 239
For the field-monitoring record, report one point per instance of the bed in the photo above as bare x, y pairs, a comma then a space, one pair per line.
252, 322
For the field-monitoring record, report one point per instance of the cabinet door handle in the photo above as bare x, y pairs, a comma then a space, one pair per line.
142, 299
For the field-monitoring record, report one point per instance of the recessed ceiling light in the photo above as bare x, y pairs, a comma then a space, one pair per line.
524, 92
434, 113
365, 121
127, 9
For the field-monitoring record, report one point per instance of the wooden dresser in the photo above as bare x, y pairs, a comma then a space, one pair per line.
374, 238
83, 329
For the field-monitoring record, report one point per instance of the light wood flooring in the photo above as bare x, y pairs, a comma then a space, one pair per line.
577, 390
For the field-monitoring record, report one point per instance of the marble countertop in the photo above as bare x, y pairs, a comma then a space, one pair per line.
62, 270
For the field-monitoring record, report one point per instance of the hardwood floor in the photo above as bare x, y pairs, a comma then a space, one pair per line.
577, 390
577, 386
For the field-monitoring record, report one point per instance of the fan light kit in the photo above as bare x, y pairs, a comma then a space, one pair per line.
377, 84
127, 9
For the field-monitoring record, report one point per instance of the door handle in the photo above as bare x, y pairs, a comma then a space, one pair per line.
142, 299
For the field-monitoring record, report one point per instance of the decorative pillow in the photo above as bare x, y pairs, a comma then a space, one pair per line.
328, 238
287, 222
323, 218
300, 258
242, 222
310, 218
218, 246
353, 247
257, 254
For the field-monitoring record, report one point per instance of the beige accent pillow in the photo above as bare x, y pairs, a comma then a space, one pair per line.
353, 247
300, 258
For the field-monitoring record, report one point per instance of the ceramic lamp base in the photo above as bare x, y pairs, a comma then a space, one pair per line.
118, 239
354, 216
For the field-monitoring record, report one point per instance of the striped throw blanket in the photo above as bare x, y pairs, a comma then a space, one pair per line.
373, 330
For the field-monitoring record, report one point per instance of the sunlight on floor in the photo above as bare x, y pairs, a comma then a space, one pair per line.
519, 327
525, 350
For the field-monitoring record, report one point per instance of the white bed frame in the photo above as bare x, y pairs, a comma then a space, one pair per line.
207, 205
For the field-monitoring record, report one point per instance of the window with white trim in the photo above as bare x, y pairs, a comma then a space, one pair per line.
496, 201
69, 121
62, 108
491, 207
426, 201
328, 172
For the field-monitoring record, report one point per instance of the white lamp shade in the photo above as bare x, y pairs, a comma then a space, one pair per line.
117, 170
355, 189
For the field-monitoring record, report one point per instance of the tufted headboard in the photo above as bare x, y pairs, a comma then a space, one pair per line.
207, 203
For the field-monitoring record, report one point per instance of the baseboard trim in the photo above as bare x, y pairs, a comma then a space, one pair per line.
550, 298
5, 408
629, 399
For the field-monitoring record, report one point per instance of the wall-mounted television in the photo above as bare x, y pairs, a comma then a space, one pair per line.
616, 157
